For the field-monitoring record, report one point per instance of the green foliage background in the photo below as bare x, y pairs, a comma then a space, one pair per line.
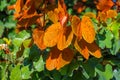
28, 63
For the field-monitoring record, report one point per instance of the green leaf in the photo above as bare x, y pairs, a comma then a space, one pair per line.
17, 42
39, 65
105, 75
25, 72
115, 27
116, 74
68, 69
26, 43
3, 5
23, 34
26, 52
20, 37
16, 73
34, 54
116, 47
1, 28
56, 75
3, 73
77, 75
108, 40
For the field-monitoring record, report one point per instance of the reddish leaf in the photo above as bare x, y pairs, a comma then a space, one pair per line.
104, 5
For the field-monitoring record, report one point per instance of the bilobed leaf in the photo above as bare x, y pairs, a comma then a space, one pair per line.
57, 59
85, 48
64, 58
51, 61
81, 47
51, 35
94, 50
65, 38
88, 31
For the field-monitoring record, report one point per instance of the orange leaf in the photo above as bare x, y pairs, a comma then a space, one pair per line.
81, 48
79, 7
64, 58
85, 48
76, 26
18, 8
111, 13
104, 5
102, 16
19, 5
57, 59
61, 41
87, 28
28, 20
52, 34
38, 38
94, 50
51, 61
62, 12
65, 38
90, 14
69, 36
53, 16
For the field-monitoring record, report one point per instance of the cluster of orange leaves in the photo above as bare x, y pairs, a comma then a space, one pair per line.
58, 36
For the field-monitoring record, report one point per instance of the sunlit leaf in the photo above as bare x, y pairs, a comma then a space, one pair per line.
88, 31
16, 73
107, 74
65, 38
53, 16
51, 35
38, 38
76, 26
